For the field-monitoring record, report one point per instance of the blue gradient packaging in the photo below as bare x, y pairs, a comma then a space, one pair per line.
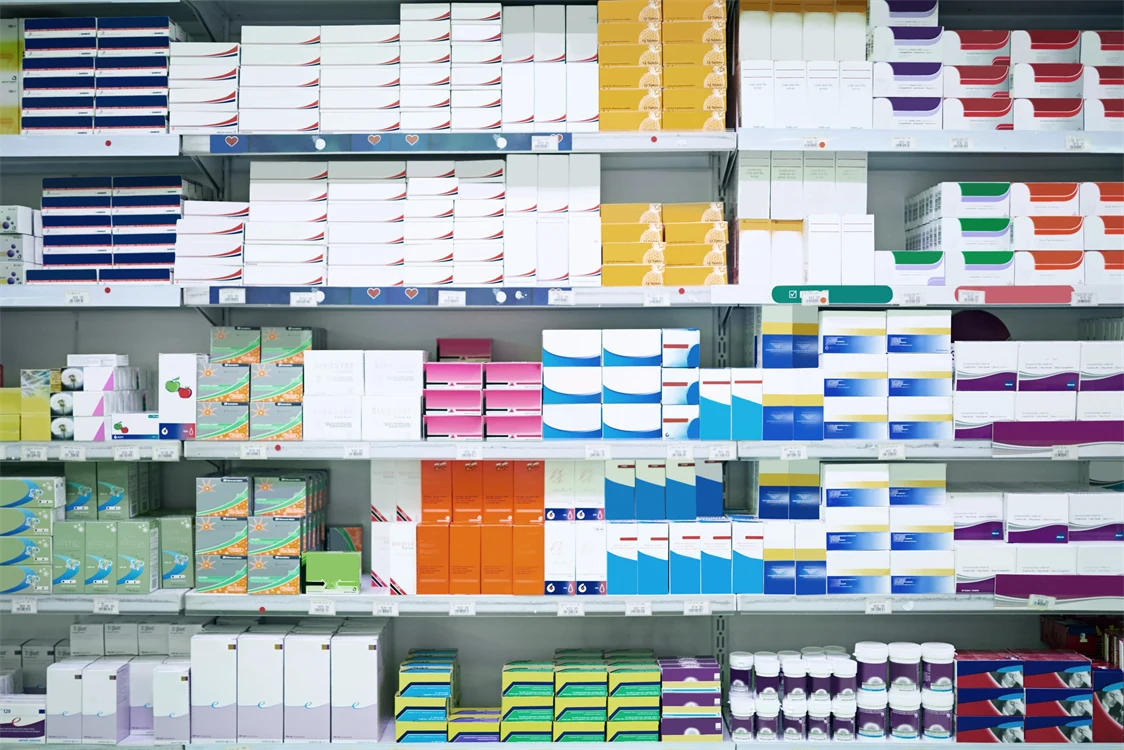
858, 572
919, 331
927, 572
852, 332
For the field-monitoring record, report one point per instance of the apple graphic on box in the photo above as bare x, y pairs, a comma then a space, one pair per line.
173, 386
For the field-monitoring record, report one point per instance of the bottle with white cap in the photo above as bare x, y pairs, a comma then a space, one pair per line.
938, 666
741, 670
904, 667
905, 715
844, 679
795, 678
936, 714
871, 657
742, 708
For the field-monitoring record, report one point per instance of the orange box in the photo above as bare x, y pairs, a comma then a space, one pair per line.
529, 494
686, 100
433, 558
676, 55
695, 77
632, 274
630, 33
468, 492
464, 557
499, 491
694, 255
628, 122
632, 252
694, 276
694, 10
710, 122
495, 558
695, 233
629, 100
436, 491
632, 213
630, 77
631, 233
631, 55
527, 560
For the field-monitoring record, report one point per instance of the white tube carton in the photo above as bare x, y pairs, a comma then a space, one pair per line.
581, 34
64, 700
892, 13
1049, 114
308, 687
790, 95
1100, 560
851, 182
518, 96
105, 702
141, 671
753, 185
787, 32
857, 249
856, 96
819, 182
822, 240
581, 95
787, 185
757, 96
822, 93
518, 34
214, 687
549, 34
359, 664
591, 562
522, 184
1097, 48
559, 557
261, 670
403, 559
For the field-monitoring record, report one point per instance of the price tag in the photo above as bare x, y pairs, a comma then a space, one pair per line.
794, 453
126, 453
679, 452
325, 607
722, 452
251, 450
878, 607
560, 297
462, 609
303, 299
386, 609
597, 452
469, 452
571, 609
357, 451
638, 609
903, 143
170, 452
196, 295
959, 143
104, 606
891, 452
814, 142
1041, 601
72, 299
813, 297
657, 298
72, 453
696, 608
33, 453
233, 296
912, 299
544, 143
450, 298
1078, 143
1064, 453
24, 605
972, 297
1084, 299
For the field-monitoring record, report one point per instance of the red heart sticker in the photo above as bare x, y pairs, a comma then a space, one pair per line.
558, 137
232, 140
374, 139
374, 293
412, 292
412, 139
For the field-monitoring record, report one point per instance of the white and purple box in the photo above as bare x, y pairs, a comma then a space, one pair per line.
1048, 365
1036, 517
105, 702
171, 703
308, 687
23, 719
908, 79
905, 44
977, 565
1096, 517
908, 113
214, 687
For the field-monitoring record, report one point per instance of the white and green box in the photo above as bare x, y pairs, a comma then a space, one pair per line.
69, 556
26, 550
138, 556
32, 492
177, 551
81, 490
101, 557
117, 491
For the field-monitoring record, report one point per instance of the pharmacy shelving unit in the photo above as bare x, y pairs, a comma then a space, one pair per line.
162, 602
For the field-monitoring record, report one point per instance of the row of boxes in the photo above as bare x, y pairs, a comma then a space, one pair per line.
789, 185
997, 268
1002, 200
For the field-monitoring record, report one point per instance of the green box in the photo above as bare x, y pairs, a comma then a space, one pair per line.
227, 382
29, 521
222, 496
22, 580
117, 491
144, 487
274, 420
331, 572
26, 550
345, 538
275, 536
138, 556
101, 557
32, 492
177, 550
217, 420
216, 535
68, 564
270, 382
286, 345
81, 490
235, 344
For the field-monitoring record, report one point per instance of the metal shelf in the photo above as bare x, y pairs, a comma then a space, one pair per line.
105, 450
163, 601
932, 141
951, 450
437, 450
91, 295
66, 146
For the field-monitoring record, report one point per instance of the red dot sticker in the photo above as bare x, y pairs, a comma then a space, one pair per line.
107, 290
682, 290
109, 143
655, 139
261, 610
277, 447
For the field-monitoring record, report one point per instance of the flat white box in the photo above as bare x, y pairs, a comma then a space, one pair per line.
426, 54
1098, 49
976, 47
391, 418
425, 97
1102, 199
757, 108
424, 31
581, 34
332, 418
908, 79
904, 44
476, 98
581, 96
978, 114
1045, 406
1104, 115
976, 81
393, 373
64, 700
426, 12
1045, 46
476, 77
360, 34
919, 113
478, 274
550, 108
214, 687
297, 55
121, 639
895, 13
790, 94
465, 209
787, 253
275, 97
359, 76
261, 686
285, 232
584, 238
851, 182
822, 94
553, 246
304, 35
857, 249
308, 686
373, 190
477, 53
977, 564
520, 251
1100, 560
1046, 560
213, 99
1049, 114
389, 233
1047, 81
333, 373
1045, 199
201, 123
278, 121
786, 193
426, 75
490, 31
278, 75
1102, 82
476, 119
519, 34
786, 33
360, 99
550, 33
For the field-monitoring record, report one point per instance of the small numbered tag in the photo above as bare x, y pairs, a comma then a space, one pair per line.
722, 452
196, 295
322, 607
470, 452
878, 607
912, 299
1078, 143
357, 451
1041, 601
251, 450
1064, 453
126, 453
1084, 299
972, 297
544, 143
560, 297
657, 298
597, 452
794, 452
903, 143
232, 296
72, 299
104, 606
696, 608
303, 299
638, 609
386, 609
814, 142
24, 605
679, 452
571, 609
170, 452
891, 452
451, 298
462, 609
959, 143
33, 453
813, 297
72, 453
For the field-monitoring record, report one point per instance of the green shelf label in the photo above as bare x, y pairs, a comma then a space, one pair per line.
836, 295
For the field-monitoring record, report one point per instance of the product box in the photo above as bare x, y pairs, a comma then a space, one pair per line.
858, 572
1049, 114
974, 82
138, 556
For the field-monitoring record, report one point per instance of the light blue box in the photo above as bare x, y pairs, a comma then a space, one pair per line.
620, 491
681, 347
852, 332
651, 488
858, 572
631, 385
679, 386
632, 347
748, 555
571, 422
684, 557
714, 404
746, 397
571, 385
716, 556
632, 421
680, 422
621, 558
652, 557
917, 484
708, 489
858, 418
679, 491
570, 348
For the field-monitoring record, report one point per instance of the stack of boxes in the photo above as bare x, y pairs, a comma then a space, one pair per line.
393, 385
633, 707
21, 243
279, 90
694, 76
581, 696
30, 510
360, 78
286, 233
527, 701
572, 384
477, 55
11, 55
428, 693
426, 54
209, 243
691, 698
791, 383
629, 53
664, 245
203, 88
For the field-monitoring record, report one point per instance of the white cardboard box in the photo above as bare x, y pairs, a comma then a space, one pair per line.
856, 95
1045, 46
1038, 80
756, 94
919, 113
979, 114
976, 81
550, 81
790, 94
822, 94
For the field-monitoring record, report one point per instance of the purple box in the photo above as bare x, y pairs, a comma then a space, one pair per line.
698, 728
1096, 591
1095, 439
681, 673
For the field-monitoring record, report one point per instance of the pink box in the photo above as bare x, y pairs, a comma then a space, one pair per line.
454, 402
454, 427
508, 375
454, 375
513, 402
464, 350
513, 427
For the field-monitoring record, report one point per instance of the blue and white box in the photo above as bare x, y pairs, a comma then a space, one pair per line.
571, 385
804, 490
919, 331
853, 375
138, 27
631, 347
681, 347
569, 348
789, 337
571, 421
620, 490
708, 489
917, 484
807, 404
862, 572
852, 332
779, 538
621, 557
856, 418
919, 375
679, 386
919, 528
748, 551
679, 491
631, 385
926, 418
811, 558
773, 490
929, 572
714, 404
559, 558
685, 557
51, 28
631, 421
777, 404
651, 487
681, 422
746, 398
716, 555
651, 557
855, 485
858, 529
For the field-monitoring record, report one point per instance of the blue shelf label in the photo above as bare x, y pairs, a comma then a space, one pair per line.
389, 143
397, 296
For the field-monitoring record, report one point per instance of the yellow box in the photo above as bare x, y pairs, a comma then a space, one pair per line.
631, 708
694, 10
702, 232
35, 404
629, 100
629, 77
634, 32
631, 213
686, 213
527, 708
643, 122
631, 274
694, 32
578, 731
527, 679
675, 55
581, 681
422, 679
632, 731
35, 427
420, 731
695, 77
695, 255
631, 233
616, 11
474, 726
9, 428
421, 708
630, 55
694, 276
526, 731
687, 100
713, 122
632, 252
9, 400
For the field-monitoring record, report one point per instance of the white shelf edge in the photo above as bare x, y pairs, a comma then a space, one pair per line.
905, 141
102, 450
82, 296
162, 601
65, 146
914, 449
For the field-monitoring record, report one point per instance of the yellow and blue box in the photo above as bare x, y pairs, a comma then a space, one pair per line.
421, 709
527, 692
578, 731
421, 731
581, 693
526, 731
474, 725
634, 693
423, 680
633, 731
